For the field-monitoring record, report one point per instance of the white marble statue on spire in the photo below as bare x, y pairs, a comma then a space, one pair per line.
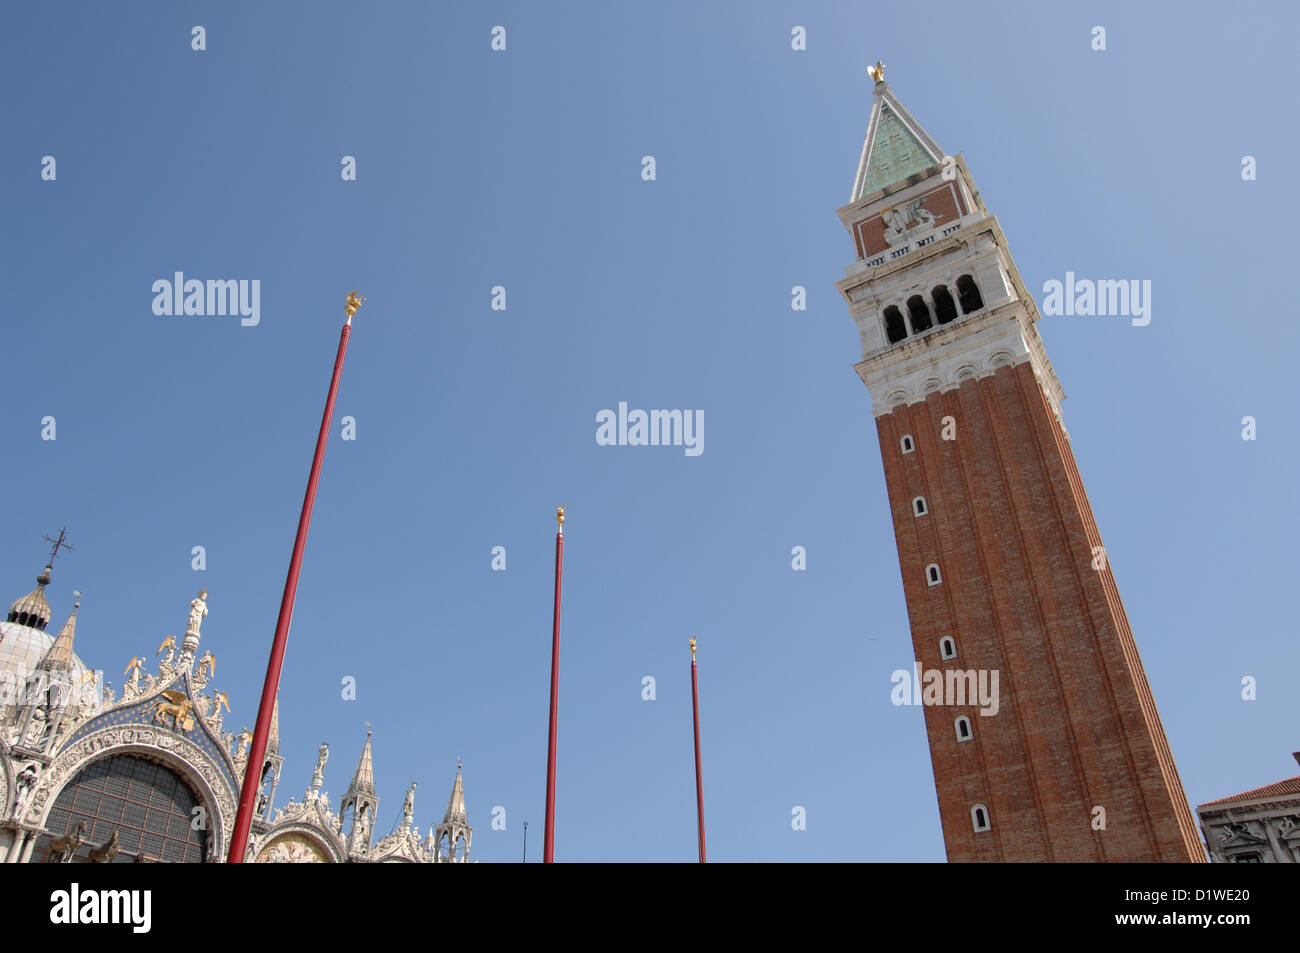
408, 807
318, 776
198, 610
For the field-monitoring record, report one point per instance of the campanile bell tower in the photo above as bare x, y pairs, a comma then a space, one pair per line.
1003, 565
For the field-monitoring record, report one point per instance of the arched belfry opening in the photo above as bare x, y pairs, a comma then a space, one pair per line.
919, 313
944, 307
895, 329
969, 294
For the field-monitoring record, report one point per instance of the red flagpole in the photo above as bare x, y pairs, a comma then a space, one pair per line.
699, 773
548, 846
252, 774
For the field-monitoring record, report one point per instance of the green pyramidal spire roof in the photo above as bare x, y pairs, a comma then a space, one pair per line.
896, 146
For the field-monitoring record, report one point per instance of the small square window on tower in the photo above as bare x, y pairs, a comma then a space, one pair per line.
908, 445
932, 576
947, 647
919, 506
979, 818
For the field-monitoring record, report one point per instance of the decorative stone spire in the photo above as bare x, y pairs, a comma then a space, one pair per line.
452, 837
60, 657
273, 738
456, 803
32, 610
363, 781
51, 691
361, 798
896, 147
271, 765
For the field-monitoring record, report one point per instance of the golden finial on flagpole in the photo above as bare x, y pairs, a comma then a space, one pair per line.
559, 516
354, 301
877, 72
692, 648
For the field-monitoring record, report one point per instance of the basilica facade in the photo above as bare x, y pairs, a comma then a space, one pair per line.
152, 775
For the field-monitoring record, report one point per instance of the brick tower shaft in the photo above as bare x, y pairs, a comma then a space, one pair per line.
1007, 582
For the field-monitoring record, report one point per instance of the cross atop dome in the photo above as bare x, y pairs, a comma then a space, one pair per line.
33, 610
54, 551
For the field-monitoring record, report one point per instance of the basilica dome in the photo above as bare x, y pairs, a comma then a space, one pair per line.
23, 639
22, 648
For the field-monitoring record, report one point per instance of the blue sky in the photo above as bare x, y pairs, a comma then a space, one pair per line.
523, 169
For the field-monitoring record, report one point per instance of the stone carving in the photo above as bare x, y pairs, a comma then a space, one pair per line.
133, 669
360, 834
287, 851
219, 700
899, 220
35, 733
208, 662
240, 756
318, 776
23, 785
169, 644
408, 807
86, 695
297, 844
198, 610
1246, 830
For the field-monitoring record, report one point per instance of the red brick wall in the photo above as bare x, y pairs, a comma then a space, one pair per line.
1010, 527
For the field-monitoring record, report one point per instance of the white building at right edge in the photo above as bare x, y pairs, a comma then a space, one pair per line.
1259, 826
